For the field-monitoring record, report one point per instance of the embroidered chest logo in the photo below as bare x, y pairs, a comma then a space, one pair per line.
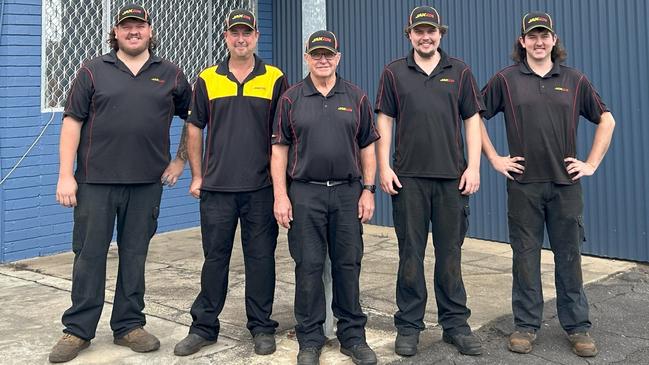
345, 109
447, 80
158, 80
562, 89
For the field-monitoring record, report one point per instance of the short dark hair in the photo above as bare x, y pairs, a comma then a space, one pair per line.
559, 54
153, 42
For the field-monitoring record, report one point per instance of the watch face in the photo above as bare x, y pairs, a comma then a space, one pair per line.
371, 188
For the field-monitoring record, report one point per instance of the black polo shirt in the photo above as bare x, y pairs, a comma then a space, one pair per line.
541, 116
428, 111
126, 118
325, 133
239, 121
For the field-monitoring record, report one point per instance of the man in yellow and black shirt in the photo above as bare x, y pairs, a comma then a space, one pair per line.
236, 101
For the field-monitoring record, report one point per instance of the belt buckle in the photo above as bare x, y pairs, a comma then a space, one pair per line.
329, 183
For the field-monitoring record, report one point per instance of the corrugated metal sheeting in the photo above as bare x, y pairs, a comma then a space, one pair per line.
605, 39
287, 38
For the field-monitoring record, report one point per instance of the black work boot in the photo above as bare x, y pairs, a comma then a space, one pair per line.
308, 356
361, 354
466, 344
191, 344
406, 345
264, 343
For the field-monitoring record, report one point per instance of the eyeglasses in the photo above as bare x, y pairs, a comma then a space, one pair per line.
318, 56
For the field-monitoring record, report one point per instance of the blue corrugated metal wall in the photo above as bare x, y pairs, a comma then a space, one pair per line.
605, 39
287, 38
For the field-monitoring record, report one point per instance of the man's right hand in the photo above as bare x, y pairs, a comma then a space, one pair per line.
66, 191
389, 180
507, 164
195, 187
283, 211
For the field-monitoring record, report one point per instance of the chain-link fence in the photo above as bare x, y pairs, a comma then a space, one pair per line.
189, 33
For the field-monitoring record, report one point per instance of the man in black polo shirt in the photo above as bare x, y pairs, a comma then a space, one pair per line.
429, 93
116, 121
236, 101
542, 101
323, 139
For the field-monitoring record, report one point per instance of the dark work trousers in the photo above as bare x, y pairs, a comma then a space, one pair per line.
559, 208
420, 202
220, 213
136, 207
325, 219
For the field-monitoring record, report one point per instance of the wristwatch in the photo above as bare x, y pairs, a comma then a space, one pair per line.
371, 188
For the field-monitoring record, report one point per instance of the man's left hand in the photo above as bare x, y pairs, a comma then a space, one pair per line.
470, 181
366, 206
580, 168
172, 172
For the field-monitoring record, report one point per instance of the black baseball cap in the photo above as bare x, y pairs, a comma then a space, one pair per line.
132, 11
322, 39
425, 15
241, 16
535, 20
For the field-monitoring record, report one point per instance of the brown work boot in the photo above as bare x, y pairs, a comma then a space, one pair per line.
582, 344
139, 340
67, 348
521, 342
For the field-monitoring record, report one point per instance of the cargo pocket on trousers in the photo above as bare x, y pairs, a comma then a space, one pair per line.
154, 221
582, 231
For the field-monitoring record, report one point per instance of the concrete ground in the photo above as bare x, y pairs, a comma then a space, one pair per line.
34, 293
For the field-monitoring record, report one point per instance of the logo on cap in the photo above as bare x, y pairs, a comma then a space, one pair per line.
537, 19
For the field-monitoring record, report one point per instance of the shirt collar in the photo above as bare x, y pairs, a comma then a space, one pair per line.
525, 68
259, 69
309, 88
443, 62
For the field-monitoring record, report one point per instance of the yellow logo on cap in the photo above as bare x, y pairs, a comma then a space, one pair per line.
421, 15
239, 16
129, 11
537, 19
321, 39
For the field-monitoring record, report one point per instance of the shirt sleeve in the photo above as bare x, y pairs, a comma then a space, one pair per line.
367, 132
77, 105
199, 109
470, 101
182, 95
278, 90
591, 105
282, 123
386, 96
492, 95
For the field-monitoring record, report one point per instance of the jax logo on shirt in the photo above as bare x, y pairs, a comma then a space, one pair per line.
158, 80
562, 89
345, 109
447, 80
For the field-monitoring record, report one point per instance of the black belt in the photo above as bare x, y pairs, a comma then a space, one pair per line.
332, 182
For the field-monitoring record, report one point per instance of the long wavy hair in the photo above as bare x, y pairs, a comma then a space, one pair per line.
559, 54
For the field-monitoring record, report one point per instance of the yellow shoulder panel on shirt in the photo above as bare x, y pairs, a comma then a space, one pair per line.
218, 86
262, 86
